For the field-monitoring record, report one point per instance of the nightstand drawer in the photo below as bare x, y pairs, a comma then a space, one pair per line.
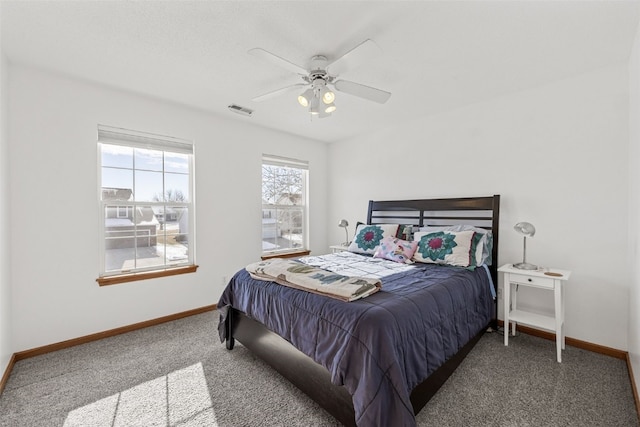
541, 282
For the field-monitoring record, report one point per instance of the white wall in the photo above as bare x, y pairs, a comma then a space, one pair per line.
55, 216
6, 349
556, 154
634, 207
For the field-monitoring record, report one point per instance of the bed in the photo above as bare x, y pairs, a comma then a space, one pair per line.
373, 375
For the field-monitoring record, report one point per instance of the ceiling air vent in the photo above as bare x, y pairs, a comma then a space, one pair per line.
240, 110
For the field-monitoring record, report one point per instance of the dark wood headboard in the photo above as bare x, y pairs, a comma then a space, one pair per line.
483, 212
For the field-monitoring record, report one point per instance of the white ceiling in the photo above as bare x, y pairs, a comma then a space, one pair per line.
436, 55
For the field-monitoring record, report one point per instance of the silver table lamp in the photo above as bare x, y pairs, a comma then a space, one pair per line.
344, 224
527, 230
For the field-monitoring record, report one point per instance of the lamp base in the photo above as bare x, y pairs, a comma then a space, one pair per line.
525, 266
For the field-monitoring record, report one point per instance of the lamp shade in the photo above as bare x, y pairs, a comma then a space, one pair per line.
343, 223
525, 228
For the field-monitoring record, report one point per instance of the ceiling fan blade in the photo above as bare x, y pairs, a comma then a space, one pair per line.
275, 59
362, 91
277, 92
365, 51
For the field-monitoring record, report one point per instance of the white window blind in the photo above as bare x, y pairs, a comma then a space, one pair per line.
132, 138
285, 162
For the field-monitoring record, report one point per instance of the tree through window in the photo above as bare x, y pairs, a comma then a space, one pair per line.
284, 204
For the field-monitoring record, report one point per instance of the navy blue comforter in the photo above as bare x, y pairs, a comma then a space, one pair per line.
379, 347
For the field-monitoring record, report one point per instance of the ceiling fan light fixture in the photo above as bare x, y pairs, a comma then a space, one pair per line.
320, 79
306, 97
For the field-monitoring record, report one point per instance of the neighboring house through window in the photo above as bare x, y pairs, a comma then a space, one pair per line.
284, 204
146, 202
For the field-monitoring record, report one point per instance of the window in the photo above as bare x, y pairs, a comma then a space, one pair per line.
284, 204
146, 204
123, 211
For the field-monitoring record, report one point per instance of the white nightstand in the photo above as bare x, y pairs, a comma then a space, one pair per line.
338, 248
548, 278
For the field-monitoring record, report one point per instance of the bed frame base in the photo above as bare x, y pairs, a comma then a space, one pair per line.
313, 379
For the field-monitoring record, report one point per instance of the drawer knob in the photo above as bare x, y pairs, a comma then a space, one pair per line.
529, 279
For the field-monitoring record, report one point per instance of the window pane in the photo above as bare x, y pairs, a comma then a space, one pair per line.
117, 156
282, 228
176, 187
173, 236
282, 185
148, 186
148, 159
115, 179
147, 243
175, 162
129, 242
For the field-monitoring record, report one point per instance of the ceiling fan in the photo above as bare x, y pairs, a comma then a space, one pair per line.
322, 75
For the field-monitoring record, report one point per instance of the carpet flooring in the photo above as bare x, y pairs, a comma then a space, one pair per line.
179, 374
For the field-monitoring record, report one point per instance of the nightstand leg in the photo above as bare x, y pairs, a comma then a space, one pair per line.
514, 306
506, 291
562, 317
557, 292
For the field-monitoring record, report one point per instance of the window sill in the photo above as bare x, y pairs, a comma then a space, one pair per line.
295, 254
123, 278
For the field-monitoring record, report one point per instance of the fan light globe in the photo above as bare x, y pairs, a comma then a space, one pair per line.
313, 107
330, 108
305, 97
328, 97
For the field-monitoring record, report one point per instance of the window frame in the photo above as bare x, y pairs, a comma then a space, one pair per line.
108, 135
302, 165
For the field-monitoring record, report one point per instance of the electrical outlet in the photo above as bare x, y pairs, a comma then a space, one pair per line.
499, 292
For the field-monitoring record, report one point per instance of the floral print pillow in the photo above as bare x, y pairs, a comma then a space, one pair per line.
368, 237
445, 247
395, 249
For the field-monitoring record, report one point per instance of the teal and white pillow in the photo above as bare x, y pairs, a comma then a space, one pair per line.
368, 237
481, 245
445, 247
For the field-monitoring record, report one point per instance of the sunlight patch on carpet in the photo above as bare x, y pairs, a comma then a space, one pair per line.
180, 398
